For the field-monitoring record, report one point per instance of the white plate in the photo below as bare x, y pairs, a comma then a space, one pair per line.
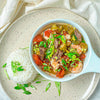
19, 35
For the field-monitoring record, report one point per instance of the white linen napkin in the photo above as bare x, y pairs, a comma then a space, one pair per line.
9, 12
89, 9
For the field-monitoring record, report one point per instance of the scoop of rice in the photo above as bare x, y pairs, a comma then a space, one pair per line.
29, 73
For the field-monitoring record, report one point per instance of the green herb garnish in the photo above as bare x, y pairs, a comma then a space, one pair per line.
64, 64
6, 74
58, 85
63, 39
41, 43
33, 87
47, 87
50, 52
47, 68
24, 48
83, 41
59, 36
17, 87
4, 65
27, 92
22, 86
74, 58
45, 45
63, 61
26, 85
20, 68
44, 63
38, 82
75, 37
59, 70
16, 66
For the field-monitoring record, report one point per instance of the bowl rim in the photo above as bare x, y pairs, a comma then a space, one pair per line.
44, 74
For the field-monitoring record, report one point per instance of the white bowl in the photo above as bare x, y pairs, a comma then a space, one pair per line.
90, 53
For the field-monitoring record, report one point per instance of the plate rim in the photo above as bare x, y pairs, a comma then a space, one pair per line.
35, 10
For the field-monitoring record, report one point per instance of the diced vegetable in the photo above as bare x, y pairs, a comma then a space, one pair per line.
60, 73
84, 47
47, 33
63, 47
37, 59
82, 57
76, 42
38, 38
54, 27
60, 28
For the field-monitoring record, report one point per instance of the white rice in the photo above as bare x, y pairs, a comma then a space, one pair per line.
21, 77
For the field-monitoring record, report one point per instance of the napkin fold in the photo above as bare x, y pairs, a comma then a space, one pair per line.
89, 9
9, 12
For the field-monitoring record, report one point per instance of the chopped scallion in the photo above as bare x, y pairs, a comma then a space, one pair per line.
6, 74
47, 87
58, 85
4, 65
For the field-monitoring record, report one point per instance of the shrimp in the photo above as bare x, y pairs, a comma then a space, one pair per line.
67, 36
76, 69
55, 64
77, 47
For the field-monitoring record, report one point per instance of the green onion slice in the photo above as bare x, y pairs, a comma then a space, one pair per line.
47, 87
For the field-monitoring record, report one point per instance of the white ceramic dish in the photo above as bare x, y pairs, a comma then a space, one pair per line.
19, 34
91, 63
